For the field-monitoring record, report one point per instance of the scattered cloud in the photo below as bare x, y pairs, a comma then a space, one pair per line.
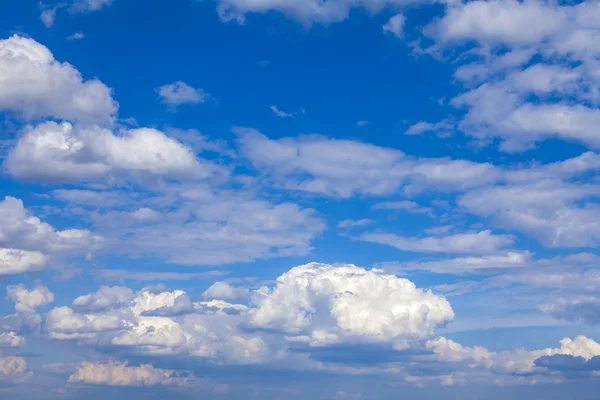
76, 36
179, 93
395, 25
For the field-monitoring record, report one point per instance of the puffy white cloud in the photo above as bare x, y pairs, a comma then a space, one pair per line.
14, 370
64, 321
33, 84
56, 153
114, 373
483, 242
325, 304
15, 261
395, 25
27, 243
11, 339
224, 291
29, 300
106, 297
178, 93
344, 168
498, 21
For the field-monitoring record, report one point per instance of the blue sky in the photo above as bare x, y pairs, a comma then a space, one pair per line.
292, 199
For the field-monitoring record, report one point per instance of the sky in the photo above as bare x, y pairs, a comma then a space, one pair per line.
299, 199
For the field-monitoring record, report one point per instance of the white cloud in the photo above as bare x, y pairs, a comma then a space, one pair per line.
106, 297
11, 339
395, 25
553, 212
280, 113
48, 16
14, 370
35, 85
344, 168
224, 291
404, 205
205, 226
305, 11
510, 97
465, 265
325, 304
29, 300
15, 261
575, 309
178, 93
518, 361
76, 36
63, 322
350, 223
114, 373
27, 243
483, 242
56, 153
84, 6
360, 124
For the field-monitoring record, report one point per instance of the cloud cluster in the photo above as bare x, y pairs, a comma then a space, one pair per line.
315, 304
534, 76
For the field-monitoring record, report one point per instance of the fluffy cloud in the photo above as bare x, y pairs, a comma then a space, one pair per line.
56, 153
29, 300
27, 243
325, 304
106, 297
224, 291
11, 339
33, 84
120, 374
162, 322
14, 370
483, 242
344, 168
178, 93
